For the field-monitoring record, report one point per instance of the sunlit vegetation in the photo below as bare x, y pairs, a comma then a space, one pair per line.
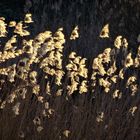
48, 97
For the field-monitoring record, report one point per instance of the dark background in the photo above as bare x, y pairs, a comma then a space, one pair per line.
123, 17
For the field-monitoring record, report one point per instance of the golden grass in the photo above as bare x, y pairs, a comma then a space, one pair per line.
40, 75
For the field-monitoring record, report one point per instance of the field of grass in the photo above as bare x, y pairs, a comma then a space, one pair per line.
48, 91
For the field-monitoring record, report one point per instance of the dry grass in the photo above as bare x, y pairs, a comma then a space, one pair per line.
44, 96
